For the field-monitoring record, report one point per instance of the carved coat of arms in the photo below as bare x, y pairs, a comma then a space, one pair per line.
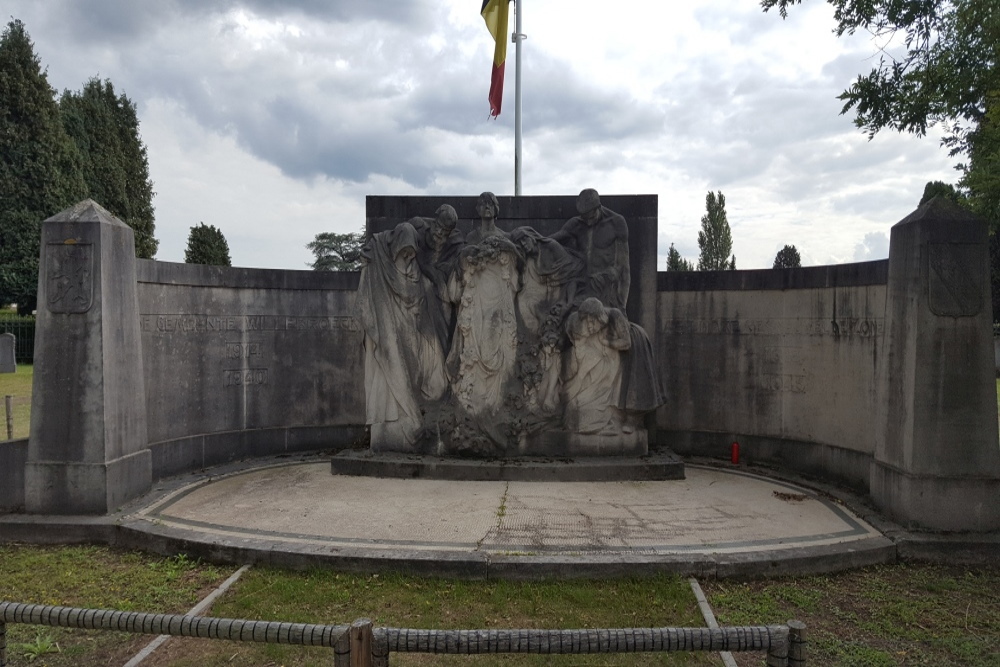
69, 277
955, 279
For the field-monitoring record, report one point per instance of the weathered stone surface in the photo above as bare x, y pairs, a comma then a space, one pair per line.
540, 342
88, 450
404, 360
936, 455
785, 362
582, 466
230, 350
8, 364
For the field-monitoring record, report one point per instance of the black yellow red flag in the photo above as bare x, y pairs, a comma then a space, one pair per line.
495, 13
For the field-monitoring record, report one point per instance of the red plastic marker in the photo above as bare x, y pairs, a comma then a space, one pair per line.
734, 452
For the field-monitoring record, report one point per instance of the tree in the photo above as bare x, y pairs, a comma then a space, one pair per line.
207, 245
677, 263
787, 258
981, 177
948, 75
941, 189
336, 252
40, 171
715, 240
105, 128
948, 71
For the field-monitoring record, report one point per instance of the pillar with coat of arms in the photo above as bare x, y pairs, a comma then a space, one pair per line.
88, 451
936, 456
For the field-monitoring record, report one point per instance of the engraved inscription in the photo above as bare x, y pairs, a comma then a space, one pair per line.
69, 277
785, 382
185, 324
243, 350
842, 328
249, 376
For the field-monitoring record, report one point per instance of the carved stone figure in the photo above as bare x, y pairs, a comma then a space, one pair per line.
503, 344
484, 348
488, 208
439, 244
404, 359
593, 375
548, 284
600, 237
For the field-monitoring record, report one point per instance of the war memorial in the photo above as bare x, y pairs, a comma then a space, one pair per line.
511, 340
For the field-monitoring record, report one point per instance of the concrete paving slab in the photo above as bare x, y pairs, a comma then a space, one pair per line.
715, 519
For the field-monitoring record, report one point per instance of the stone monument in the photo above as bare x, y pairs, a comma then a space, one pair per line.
504, 344
88, 452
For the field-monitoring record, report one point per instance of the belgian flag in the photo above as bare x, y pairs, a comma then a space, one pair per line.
495, 14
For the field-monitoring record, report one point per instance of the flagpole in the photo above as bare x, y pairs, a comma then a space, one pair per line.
517, 38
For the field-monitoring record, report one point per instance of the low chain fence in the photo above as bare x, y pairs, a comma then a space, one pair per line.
362, 645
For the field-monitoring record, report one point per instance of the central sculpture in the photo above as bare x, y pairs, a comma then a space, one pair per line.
504, 344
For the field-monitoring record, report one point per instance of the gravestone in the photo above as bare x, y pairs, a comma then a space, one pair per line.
7, 361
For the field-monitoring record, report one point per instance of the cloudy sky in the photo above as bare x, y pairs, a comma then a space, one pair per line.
273, 119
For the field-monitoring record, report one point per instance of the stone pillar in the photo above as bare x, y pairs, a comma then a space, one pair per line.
88, 450
937, 458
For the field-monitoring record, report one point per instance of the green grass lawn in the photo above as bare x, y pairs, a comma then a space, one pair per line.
106, 578
18, 386
95, 577
904, 614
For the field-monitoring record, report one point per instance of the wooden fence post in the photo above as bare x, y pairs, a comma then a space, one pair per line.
796, 644
361, 643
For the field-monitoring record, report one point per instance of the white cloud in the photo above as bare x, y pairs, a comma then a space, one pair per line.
273, 120
875, 245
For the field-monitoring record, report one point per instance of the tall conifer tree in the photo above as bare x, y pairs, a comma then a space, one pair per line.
105, 128
40, 172
715, 240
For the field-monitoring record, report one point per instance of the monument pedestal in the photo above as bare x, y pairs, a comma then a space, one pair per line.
937, 459
937, 501
60, 487
660, 465
88, 450
565, 443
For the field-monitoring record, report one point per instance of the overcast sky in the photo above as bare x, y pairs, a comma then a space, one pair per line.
273, 119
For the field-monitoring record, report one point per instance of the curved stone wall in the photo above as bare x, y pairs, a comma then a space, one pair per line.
877, 374
783, 362
247, 362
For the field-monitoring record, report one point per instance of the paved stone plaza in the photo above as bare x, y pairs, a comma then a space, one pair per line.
713, 519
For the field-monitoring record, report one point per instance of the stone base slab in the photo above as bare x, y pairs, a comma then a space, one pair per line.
59, 487
565, 443
660, 465
952, 504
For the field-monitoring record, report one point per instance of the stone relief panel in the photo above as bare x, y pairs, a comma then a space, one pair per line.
69, 275
955, 279
536, 356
